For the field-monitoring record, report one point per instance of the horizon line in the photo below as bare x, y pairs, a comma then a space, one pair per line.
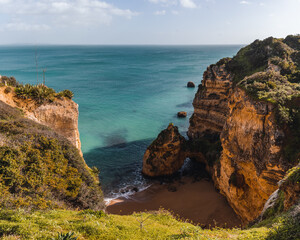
73, 44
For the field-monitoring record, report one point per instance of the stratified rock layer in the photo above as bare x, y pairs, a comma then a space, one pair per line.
165, 155
211, 102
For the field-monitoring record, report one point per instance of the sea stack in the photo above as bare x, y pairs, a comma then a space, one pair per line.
165, 155
190, 85
181, 114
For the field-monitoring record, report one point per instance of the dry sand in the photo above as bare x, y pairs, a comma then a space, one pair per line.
196, 201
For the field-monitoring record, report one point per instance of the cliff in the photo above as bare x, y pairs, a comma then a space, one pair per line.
250, 164
40, 168
246, 122
60, 114
211, 102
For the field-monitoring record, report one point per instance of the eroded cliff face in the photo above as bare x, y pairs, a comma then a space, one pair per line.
250, 163
211, 102
60, 115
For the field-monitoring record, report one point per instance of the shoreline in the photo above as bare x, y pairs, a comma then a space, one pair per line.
186, 198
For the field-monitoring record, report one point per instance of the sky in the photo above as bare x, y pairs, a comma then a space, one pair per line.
165, 22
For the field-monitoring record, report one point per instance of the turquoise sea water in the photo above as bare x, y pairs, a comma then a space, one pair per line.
126, 95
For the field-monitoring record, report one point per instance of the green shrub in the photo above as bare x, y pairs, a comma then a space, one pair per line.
40, 93
7, 90
289, 229
66, 93
65, 236
98, 214
9, 81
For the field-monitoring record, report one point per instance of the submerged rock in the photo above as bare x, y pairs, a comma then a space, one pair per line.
190, 85
181, 114
165, 155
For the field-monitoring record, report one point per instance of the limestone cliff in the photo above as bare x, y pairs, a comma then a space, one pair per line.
250, 163
250, 104
211, 102
60, 115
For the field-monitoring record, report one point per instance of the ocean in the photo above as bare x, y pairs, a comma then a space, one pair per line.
126, 96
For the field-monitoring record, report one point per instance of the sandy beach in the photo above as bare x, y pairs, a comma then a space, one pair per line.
197, 201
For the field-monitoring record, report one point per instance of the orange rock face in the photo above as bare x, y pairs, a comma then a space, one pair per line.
211, 102
60, 115
165, 155
250, 162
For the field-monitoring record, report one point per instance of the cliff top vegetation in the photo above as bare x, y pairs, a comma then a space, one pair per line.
39, 93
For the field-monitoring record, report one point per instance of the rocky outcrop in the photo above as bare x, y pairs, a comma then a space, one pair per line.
286, 196
249, 166
165, 155
181, 114
290, 185
61, 115
211, 102
190, 85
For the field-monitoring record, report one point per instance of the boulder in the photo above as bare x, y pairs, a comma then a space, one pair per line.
181, 114
165, 155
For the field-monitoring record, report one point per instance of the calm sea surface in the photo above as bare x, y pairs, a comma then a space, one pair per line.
126, 95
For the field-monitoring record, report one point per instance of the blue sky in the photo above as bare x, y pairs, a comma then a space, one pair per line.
146, 21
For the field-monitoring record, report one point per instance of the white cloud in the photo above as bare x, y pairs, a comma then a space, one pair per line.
164, 2
188, 3
163, 12
19, 26
175, 12
245, 2
59, 13
183, 3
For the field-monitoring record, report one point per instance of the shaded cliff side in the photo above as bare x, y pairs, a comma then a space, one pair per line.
246, 122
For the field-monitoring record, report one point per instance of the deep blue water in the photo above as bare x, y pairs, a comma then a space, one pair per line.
126, 95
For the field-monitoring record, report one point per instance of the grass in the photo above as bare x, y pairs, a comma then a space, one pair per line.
18, 224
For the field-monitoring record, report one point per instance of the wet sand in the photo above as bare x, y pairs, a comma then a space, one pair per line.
197, 201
